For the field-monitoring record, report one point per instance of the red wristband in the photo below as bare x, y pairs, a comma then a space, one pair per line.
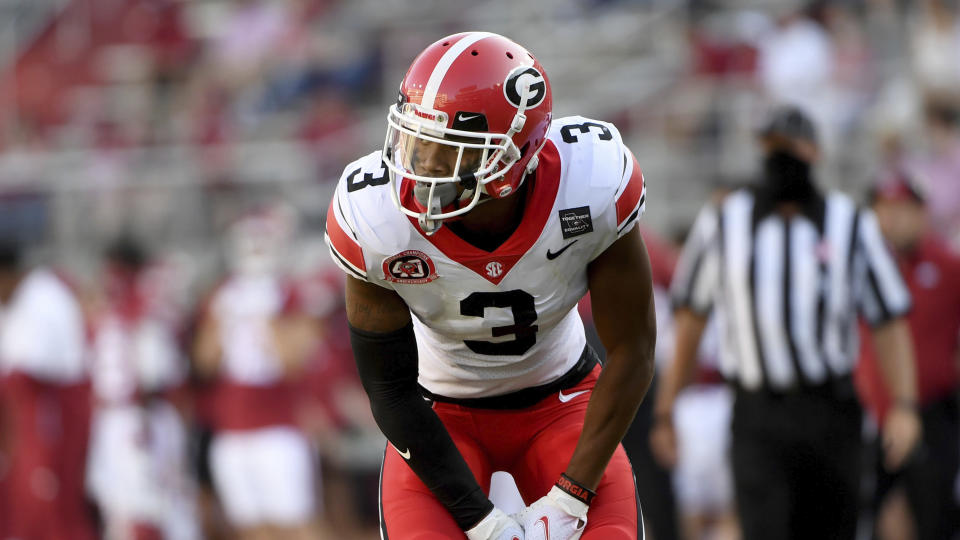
575, 489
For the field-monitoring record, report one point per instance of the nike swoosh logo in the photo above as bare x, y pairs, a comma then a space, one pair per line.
465, 118
546, 526
551, 255
567, 397
405, 454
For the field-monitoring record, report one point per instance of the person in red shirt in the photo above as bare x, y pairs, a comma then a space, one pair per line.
930, 270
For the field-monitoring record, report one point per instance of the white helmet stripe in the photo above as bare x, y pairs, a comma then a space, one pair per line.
440, 71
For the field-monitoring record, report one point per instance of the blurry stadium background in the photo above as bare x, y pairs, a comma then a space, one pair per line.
165, 122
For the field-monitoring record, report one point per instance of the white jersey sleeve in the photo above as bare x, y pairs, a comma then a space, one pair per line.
602, 171
362, 223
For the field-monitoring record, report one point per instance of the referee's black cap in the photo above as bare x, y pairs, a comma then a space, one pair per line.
790, 122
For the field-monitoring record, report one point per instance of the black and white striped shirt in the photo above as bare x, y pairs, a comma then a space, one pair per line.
786, 291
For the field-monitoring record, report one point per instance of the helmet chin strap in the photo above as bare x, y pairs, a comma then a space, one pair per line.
443, 195
429, 226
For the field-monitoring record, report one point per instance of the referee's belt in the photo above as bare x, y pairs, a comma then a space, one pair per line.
527, 397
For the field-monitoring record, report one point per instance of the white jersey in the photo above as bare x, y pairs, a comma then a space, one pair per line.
42, 330
244, 307
490, 323
131, 356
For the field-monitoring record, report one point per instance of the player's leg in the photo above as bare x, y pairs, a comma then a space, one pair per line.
285, 482
613, 515
408, 510
232, 459
702, 477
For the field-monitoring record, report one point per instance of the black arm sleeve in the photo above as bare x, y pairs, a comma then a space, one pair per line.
388, 370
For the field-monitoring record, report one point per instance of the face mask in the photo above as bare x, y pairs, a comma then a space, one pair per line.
787, 177
443, 195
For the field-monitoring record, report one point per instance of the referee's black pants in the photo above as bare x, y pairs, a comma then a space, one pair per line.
796, 464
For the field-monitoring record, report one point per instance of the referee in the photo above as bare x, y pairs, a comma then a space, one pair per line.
786, 269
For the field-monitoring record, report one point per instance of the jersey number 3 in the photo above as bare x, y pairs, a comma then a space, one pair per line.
524, 315
368, 179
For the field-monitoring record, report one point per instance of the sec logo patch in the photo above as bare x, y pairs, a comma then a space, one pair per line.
412, 267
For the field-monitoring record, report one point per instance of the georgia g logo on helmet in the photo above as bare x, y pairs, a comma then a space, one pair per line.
517, 78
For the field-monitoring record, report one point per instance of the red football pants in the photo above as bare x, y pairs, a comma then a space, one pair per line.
44, 487
533, 444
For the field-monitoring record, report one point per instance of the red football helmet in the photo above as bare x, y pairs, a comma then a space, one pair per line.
486, 103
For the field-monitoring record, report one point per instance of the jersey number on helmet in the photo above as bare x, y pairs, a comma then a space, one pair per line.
524, 315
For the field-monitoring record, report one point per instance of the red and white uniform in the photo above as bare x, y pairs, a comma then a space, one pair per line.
262, 463
44, 333
491, 323
137, 471
43, 355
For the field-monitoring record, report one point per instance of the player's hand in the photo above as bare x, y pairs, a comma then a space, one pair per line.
663, 441
496, 526
556, 516
901, 433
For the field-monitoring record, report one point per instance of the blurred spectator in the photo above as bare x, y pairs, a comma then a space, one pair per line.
336, 415
930, 270
46, 401
935, 45
328, 133
253, 29
796, 63
253, 340
138, 454
938, 168
853, 67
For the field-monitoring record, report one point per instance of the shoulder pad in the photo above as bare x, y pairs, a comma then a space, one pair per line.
601, 168
361, 221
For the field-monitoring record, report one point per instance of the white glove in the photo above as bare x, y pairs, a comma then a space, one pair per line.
556, 516
496, 526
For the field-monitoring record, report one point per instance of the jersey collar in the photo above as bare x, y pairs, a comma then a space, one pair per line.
494, 266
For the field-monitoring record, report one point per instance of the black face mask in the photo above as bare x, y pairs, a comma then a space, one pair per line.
787, 178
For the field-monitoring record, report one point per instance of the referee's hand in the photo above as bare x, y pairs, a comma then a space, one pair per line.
901, 433
663, 441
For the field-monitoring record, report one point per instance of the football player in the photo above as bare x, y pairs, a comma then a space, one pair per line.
249, 345
468, 240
